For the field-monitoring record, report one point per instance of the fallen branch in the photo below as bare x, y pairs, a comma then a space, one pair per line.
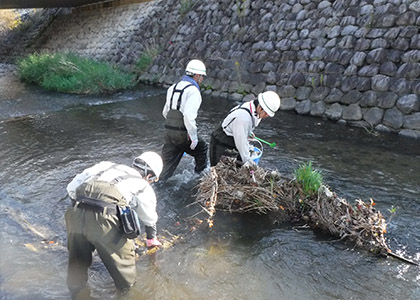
230, 187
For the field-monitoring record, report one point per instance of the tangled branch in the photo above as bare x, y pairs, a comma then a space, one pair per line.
230, 187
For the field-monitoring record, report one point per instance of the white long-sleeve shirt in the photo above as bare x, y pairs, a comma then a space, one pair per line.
190, 104
143, 202
240, 124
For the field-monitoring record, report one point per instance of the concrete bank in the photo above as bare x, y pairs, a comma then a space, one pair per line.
355, 62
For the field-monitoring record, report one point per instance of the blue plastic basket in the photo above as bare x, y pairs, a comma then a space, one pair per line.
256, 155
255, 150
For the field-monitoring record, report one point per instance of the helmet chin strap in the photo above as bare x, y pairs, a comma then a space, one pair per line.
151, 178
261, 111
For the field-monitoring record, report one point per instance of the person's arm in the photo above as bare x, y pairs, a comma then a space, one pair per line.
166, 107
241, 128
191, 106
145, 206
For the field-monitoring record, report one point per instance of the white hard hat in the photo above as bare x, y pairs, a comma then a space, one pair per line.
270, 102
196, 66
149, 160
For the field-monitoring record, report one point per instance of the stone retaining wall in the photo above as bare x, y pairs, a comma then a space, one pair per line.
352, 61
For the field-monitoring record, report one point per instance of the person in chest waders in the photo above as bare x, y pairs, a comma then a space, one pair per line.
231, 137
99, 196
183, 101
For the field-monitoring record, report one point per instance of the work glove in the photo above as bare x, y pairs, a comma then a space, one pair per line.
193, 144
153, 243
250, 164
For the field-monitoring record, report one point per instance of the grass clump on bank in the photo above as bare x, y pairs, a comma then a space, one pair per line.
69, 73
146, 58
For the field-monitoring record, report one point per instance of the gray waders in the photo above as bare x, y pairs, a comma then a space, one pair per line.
177, 141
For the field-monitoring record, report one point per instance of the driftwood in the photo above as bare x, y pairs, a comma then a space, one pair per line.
229, 187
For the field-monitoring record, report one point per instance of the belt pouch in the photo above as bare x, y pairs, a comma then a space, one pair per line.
129, 221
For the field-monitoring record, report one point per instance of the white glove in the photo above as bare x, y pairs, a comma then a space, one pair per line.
250, 164
193, 144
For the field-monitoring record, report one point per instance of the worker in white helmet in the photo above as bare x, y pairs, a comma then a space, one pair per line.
231, 137
103, 198
183, 101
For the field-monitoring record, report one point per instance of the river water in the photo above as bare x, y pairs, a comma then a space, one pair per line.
47, 138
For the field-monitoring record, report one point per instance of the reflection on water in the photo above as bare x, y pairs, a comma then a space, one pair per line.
241, 257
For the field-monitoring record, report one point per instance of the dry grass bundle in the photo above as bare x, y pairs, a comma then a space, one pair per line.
230, 187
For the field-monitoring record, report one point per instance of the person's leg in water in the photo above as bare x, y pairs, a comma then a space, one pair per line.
80, 252
171, 156
200, 155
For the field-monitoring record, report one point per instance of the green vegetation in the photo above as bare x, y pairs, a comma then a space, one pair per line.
240, 7
69, 73
313, 82
206, 87
310, 179
241, 90
186, 6
393, 212
146, 59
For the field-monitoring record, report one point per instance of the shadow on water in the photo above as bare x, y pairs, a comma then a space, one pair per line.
242, 256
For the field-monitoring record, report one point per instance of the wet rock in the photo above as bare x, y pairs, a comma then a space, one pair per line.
334, 96
318, 109
401, 87
351, 97
334, 112
319, 93
353, 112
412, 122
288, 103
374, 116
408, 133
387, 99
303, 107
380, 83
393, 118
409, 71
409, 103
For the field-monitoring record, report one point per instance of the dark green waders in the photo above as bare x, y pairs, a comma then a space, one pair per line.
90, 229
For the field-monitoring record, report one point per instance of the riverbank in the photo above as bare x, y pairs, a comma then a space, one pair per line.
12, 89
352, 63
10, 84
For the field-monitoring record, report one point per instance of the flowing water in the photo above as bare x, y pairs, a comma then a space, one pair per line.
47, 138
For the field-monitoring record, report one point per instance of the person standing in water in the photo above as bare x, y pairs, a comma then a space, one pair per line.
93, 221
183, 101
231, 137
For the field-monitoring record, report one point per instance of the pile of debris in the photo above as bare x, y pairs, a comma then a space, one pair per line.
234, 188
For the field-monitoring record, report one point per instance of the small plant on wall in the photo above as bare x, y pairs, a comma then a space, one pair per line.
146, 58
186, 6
